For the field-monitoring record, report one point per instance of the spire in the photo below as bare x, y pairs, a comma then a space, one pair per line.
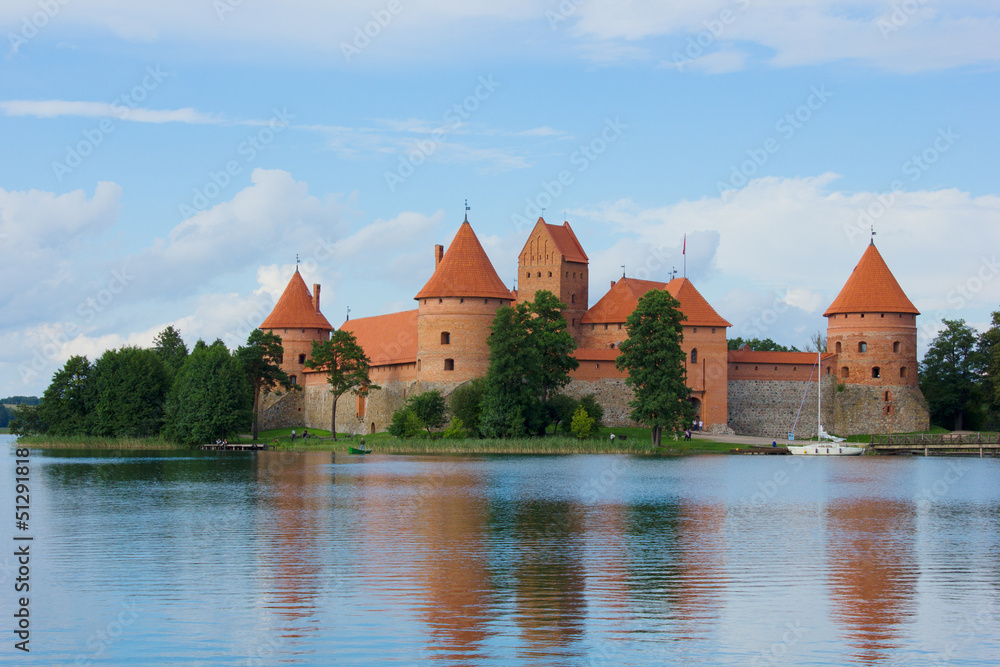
467, 209
296, 308
465, 270
871, 288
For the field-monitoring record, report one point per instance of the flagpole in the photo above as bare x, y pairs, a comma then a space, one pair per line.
684, 252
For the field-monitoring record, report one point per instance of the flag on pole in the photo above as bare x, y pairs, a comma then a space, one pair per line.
685, 246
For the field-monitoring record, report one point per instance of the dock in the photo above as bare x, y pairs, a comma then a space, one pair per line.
234, 447
763, 450
982, 444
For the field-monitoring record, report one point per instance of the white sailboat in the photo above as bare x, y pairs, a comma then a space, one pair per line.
833, 446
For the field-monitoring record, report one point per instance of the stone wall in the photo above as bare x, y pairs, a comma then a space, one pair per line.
883, 409
612, 394
280, 409
768, 408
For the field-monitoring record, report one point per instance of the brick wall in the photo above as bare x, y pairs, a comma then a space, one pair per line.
467, 322
890, 344
295, 344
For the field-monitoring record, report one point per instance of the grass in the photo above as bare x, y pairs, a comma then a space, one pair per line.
4, 431
867, 437
90, 442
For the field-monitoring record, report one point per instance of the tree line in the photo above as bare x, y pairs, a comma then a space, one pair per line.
163, 391
960, 376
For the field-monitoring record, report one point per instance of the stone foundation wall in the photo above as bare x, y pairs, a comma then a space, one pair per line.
768, 408
882, 409
612, 394
282, 410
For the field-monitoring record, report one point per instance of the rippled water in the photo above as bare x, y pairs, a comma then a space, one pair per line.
268, 558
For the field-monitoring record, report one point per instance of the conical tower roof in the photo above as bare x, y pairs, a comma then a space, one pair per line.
465, 270
296, 309
871, 288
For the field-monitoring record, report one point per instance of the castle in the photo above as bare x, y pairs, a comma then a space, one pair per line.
868, 375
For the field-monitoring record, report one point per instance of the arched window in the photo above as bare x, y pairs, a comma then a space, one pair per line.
902, 372
876, 372
449, 364
838, 347
539, 274
572, 298
362, 404
862, 346
694, 355
887, 396
895, 347
550, 274
302, 359
845, 373
445, 338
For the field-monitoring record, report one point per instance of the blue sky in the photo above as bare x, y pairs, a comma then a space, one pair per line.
165, 162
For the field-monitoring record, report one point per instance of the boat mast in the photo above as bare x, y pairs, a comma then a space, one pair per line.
819, 394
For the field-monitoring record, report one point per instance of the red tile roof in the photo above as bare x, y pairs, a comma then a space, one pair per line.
386, 339
774, 357
622, 298
871, 288
465, 270
565, 241
295, 309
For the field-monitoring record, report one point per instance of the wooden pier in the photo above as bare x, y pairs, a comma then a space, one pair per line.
982, 444
763, 450
234, 447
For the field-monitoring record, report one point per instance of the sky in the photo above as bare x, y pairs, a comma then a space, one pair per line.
165, 163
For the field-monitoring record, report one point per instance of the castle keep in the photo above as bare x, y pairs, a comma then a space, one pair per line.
868, 376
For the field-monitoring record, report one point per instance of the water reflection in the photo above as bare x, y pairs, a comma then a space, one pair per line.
872, 572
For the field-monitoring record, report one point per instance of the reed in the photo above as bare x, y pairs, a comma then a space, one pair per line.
94, 442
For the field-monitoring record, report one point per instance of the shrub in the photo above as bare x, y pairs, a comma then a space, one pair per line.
583, 423
456, 430
465, 404
405, 423
593, 408
560, 411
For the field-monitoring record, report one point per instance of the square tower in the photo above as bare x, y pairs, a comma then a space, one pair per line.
553, 259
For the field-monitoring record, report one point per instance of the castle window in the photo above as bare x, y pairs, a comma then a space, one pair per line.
362, 404
303, 331
713, 329
619, 326
461, 300
612, 346
844, 373
449, 364
862, 316
876, 372
418, 364
574, 322
888, 410
592, 326
795, 368
827, 370
888, 396
694, 356
605, 326
572, 298
550, 274
486, 301
528, 274
838, 347
302, 358
737, 367
895, 347
862, 346
695, 330
882, 315
440, 300
281, 359
292, 379
902, 372
597, 365
574, 274
286, 330
445, 338
755, 367
539, 274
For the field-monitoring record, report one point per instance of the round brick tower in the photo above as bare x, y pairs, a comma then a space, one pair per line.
455, 310
297, 319
872, 328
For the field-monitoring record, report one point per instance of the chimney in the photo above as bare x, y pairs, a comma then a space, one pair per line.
438, 254
612, 283
316, 297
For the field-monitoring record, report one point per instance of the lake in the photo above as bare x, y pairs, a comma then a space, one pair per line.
315, 558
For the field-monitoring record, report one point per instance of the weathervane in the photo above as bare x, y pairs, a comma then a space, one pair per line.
623, 270
873, 234
467, 209
296, 262
348, 313
672, 273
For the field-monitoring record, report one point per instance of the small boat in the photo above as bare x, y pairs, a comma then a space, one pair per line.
822, 448
358, 450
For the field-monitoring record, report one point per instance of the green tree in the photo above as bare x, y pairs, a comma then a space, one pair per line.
130, 387
68, 401
555, 346
583, 424
760, 345
405, 423
260, 359
26, 421
989, 353
654, 361
346, 366
172, 350
429, 407
560, 411
510, 399
589, 403
456, 430
210, 398
465, 403
950, 373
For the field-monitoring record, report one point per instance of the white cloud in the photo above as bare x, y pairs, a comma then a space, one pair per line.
56, 108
